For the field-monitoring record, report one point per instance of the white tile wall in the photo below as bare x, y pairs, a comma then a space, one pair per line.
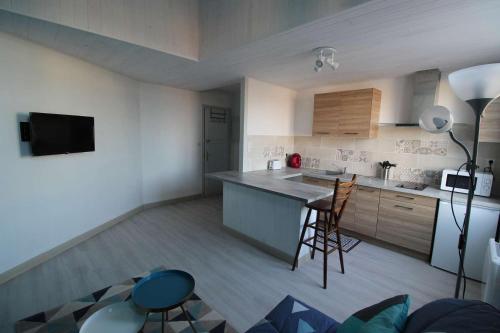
420, 156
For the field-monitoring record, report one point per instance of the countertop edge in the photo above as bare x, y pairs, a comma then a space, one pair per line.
284, 174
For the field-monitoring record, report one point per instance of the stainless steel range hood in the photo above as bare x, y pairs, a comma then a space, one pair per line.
425, 95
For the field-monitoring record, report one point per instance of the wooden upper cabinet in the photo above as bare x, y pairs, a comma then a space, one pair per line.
352, 113
490, 123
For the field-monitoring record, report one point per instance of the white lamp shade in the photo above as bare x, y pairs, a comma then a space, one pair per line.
436, 119
476, 82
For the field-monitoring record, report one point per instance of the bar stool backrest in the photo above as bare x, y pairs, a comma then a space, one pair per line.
341, 195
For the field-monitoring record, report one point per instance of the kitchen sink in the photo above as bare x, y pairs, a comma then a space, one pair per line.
326, 172
412, 186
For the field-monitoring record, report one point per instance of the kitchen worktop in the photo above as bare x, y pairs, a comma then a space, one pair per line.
276, 181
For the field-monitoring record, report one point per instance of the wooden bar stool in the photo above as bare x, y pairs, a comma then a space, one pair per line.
332, 210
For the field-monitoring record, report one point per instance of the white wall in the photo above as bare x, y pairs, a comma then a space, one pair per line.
235, 131
270, 109
171, 142
216, 97
45, 201
148, 149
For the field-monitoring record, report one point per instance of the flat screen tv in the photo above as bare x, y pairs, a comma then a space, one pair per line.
52, 134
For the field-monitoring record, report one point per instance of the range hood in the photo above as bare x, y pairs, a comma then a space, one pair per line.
425, 95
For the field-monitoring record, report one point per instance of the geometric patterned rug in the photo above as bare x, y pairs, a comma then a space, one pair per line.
69, 318
348, 243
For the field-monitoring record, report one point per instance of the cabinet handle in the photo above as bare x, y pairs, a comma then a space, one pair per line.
351, 133
321, 132
403, 207
364, 189
404, 197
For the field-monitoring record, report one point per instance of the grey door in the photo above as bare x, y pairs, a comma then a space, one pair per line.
217, 130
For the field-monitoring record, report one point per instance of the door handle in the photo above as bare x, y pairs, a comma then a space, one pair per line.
403, 207
404, 197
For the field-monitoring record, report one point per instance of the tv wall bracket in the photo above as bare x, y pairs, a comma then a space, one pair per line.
25, 131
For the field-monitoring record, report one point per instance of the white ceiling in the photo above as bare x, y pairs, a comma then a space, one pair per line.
378, 39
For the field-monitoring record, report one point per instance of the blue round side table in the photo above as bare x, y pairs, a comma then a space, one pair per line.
163, 291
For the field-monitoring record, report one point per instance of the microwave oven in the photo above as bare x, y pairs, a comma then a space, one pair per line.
450, 178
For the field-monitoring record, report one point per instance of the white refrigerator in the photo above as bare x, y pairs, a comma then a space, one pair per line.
482, 227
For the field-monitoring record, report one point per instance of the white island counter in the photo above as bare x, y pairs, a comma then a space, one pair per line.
267, 209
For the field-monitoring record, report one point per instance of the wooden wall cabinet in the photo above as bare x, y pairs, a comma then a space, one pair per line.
352, 113
489, 130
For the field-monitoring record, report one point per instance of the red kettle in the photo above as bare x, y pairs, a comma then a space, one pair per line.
294, 160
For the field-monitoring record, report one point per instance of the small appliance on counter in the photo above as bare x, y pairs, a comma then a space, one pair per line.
386, 168
460, 180
294, 160
273, 164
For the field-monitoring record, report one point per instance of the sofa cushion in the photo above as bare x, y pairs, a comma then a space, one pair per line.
388, 316
294, 316
454, 316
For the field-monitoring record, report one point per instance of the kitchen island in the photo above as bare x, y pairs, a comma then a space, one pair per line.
267, 208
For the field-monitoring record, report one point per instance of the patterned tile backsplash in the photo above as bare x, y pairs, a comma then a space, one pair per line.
420, 156
423, 147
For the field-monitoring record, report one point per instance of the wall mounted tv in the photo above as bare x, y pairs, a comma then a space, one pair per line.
51, 134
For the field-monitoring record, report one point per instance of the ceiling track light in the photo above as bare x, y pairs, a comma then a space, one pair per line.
325, 56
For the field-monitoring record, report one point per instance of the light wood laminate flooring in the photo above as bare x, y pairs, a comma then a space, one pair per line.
238, 280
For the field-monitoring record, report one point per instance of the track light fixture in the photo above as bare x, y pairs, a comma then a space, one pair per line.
325, 56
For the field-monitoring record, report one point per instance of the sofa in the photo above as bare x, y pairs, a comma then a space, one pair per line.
444, 315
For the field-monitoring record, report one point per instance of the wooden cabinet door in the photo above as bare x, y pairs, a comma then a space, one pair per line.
352, 113
406, 224
367, 206
408, 198
326, 110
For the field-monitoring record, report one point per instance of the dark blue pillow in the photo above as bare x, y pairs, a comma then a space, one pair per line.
293, 316
454, 315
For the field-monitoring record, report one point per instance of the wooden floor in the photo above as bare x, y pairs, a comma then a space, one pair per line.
239, 281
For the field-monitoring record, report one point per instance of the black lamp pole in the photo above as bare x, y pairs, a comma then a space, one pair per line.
478, 106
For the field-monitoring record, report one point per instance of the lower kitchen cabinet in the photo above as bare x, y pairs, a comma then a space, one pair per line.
399, 218
367, 207
406, 224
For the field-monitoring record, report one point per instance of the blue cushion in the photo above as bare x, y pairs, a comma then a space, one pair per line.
454, 315
388, 316
294, 316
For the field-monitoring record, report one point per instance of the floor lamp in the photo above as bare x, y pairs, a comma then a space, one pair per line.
477, 86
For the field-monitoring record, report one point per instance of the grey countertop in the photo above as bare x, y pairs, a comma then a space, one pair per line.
275, 181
